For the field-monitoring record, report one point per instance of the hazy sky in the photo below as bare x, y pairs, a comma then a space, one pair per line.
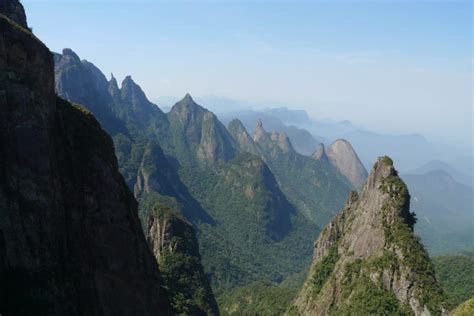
388, 66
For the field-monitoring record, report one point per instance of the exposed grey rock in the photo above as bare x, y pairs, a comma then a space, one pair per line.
345, 159
371, 244
320, 153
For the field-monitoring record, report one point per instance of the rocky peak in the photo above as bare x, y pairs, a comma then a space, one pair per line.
260, 133
370, 247
69, 53
284, 142
320, 153
243, 138
186, 110
202, 131
113, 87
345, 159
14, 10
132, 92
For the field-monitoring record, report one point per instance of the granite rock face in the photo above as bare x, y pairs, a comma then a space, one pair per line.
368, 260
345, 159
70, 239
320, 153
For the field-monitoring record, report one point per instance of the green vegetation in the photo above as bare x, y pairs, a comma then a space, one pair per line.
323, 270
465, 309
399, 232
252, 238
257, 298
456, 274
316, 188
367, 298
180, 265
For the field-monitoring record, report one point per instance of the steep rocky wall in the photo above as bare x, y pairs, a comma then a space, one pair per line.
368, 261
70, 239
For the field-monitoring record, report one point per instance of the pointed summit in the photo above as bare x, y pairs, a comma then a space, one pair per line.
320, 153
133, 93
186, 108
113, 87
69, 53
260, 133
203, 132
345, 159
242, 137
368, 261
284, 143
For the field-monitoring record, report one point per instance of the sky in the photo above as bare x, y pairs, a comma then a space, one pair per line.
388, 66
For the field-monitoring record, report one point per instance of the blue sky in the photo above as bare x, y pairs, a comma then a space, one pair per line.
398, 66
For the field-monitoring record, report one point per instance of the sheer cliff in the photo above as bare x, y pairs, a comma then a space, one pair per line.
70, 238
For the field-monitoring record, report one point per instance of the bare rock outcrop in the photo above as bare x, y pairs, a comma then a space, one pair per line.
345, 159
320, 153
368, 260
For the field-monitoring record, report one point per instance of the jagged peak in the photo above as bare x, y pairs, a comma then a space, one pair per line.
237, 127
260, 133
113, 82
374, 232
381, 170
131, 90
188, 98
187, 105
320, 153
67, 52
128, 80
284, 142
13, 9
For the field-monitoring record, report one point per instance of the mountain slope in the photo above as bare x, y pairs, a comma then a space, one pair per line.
248, 226
455, 273
315, 187
197, 133
368, 261
444, 208
176, 249
70, 238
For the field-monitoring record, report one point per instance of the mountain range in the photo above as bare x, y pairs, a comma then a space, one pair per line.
109, 205
244, 195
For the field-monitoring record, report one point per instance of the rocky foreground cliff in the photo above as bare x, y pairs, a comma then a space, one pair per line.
367, 261
70, 239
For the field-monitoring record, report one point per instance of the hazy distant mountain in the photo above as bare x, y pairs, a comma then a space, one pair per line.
433, 165
444, 209
290, 117
303, 141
